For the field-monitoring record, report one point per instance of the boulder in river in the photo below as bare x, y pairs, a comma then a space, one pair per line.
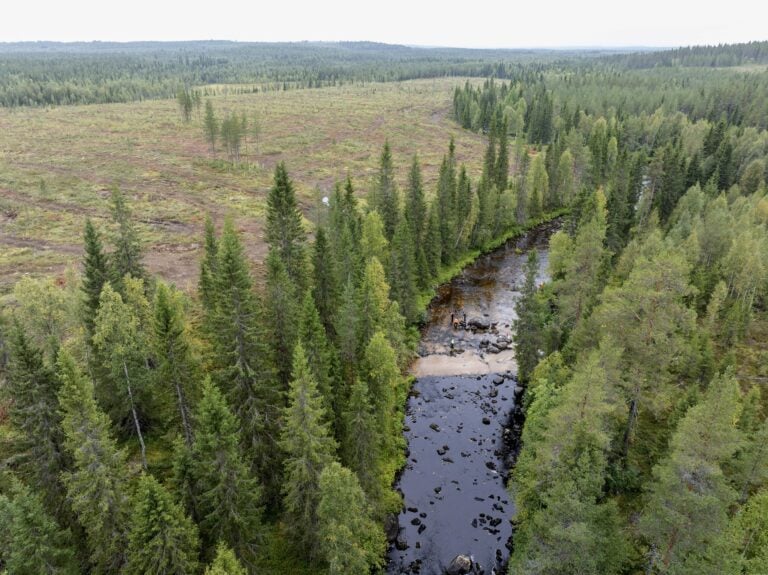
459, 565
482, 323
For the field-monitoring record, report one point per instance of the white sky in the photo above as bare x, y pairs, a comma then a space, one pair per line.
469, 23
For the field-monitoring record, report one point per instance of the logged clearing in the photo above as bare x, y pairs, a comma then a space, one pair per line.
57, 166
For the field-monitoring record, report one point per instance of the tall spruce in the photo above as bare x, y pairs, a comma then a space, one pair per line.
32, 388
281, 316
325, 288
446, 203
386, 197
123, 351
32, 542
285, 231
242, 364
402, 271
225, 563
206, 285
127, 256
309, 446
320, 358
97, 485
96, 271
227, 495
161, 539
172, 349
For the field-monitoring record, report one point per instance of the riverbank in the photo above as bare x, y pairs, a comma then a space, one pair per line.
460, 406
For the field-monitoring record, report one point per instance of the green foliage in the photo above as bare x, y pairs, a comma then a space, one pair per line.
227, 496
161, 539
128, 253
96, 270
32, 387
309, 447
352, 541
32, 543
386, 199
225, 563
285, 232
281, 316
210, 126
325, 287
96, 486
528, 333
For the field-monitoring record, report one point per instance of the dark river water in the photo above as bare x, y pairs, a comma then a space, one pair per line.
458, 420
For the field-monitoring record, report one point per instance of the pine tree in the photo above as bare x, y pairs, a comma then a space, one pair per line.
95, 274
126, 259
309, 447
176, 367
32, 386
386, 199
352, 542
210, 126
402, 272
527, 332
281, 315
325, 288
242, 364
122, 349
97, 485
161, 539
225, 563
285, 230
30, 541
688, 503
227, 496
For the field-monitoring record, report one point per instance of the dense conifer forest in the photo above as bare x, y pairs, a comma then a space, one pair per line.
255, 425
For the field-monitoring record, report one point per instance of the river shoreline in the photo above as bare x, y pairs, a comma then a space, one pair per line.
463, 419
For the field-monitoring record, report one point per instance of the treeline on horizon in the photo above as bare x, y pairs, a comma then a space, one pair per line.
51, 74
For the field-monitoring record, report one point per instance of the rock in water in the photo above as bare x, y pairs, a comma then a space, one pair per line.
481, 323
459, 565
392, 526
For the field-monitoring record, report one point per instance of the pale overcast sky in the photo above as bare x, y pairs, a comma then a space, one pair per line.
510, 23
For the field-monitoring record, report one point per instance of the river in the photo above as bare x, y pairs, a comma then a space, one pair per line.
459, 420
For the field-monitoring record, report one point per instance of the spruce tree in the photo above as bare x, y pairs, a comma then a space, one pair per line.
537, 186
402, 272
446, 204
128, 253
172, 349
320, 357
285, 230
161, 539
122, 349
206, 286
381, 373
348, 327
242, 364
351, 541
433, 248
501, 169
386, 199
210, 126
96, 269
225, 563
281, 316
325, 288
528, 329
227, 496
309, 446
564, 178
97, 486
31, 543
361, 449
32, 388
415, 204
373, 241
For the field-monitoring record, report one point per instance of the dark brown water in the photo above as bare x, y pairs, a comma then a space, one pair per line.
457, 422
